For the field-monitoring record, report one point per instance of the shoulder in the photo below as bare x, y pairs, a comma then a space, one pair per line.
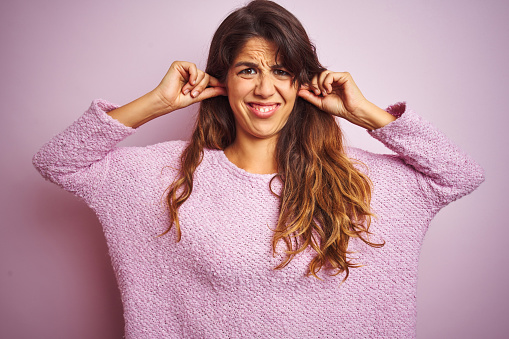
169, 148
382, 169
172, 148
371, 159
152, 156
393, 182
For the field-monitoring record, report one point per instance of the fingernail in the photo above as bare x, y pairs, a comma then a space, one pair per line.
195, 93
186, 91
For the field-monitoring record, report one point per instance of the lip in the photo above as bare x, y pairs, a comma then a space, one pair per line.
263, 110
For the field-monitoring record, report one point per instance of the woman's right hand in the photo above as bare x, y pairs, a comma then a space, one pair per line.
184, 84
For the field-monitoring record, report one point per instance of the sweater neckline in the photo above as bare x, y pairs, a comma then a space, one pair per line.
239, 172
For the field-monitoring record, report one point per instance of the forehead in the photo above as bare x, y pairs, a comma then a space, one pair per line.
259, 50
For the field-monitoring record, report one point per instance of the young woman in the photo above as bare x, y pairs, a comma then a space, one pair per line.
271, 228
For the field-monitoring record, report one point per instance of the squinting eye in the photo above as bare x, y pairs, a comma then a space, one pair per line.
280, 72
248, 71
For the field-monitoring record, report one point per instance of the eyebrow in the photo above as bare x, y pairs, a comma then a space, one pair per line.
254, 65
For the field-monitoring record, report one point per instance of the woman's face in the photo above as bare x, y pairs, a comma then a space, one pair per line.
261, 92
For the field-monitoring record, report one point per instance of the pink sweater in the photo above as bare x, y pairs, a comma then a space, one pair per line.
219, 281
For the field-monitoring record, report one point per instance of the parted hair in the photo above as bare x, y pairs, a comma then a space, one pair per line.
325, 199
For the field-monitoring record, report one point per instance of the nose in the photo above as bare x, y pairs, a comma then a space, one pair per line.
265, 87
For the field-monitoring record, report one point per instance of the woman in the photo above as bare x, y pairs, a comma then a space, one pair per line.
268, 229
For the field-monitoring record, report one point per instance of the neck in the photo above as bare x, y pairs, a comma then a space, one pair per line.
253, 155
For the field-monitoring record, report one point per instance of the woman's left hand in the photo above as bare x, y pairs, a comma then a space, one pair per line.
336, 93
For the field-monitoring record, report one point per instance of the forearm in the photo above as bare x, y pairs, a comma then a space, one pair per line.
140, 111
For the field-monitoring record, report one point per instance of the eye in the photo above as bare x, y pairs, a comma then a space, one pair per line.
248, 71
282, 73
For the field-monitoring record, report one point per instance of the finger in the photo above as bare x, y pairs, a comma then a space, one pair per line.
192, 75
307, 87
327, 82
321, 81
314, 85
213, 82
341, 78
201, 83
211, 92
310, 97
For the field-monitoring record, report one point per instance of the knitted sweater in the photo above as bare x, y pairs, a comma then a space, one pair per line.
219, 281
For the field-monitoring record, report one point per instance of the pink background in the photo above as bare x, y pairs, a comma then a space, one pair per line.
448, 59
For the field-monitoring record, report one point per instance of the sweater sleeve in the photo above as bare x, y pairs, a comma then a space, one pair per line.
77, 158
444, 172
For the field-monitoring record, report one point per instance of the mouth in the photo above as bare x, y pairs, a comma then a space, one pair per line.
263, 110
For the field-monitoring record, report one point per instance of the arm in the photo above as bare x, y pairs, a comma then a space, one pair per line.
77, 158
444, 172
182, 86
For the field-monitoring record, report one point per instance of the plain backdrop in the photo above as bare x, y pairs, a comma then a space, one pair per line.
447, 59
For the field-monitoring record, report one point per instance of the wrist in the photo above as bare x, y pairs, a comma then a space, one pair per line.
156, 104
141, 110
372, 117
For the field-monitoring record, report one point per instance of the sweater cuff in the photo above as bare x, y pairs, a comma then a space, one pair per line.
100, 109
397, 109
404, 118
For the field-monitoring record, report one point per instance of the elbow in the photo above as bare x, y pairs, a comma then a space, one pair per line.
468, 180
477, 176
39, 164
454, 184
45, 165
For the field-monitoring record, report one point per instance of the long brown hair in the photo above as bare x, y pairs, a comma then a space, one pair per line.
324, 200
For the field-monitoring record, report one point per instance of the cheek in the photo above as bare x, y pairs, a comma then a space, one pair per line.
237, 91
230, 86
289, 92
291, 95
235, 97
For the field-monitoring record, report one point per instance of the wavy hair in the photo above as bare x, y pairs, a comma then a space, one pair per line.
324, 200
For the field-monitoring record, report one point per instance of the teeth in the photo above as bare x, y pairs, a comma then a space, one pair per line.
264, 109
